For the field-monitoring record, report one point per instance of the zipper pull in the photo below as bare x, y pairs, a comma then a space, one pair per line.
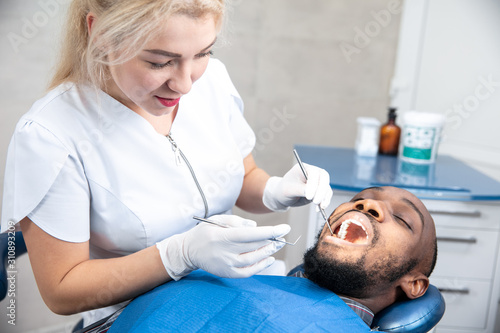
176, 150
178, 159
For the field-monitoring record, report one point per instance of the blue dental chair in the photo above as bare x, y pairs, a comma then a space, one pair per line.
419, 315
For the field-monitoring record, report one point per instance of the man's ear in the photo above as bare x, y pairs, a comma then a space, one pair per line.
90, 21
414, 285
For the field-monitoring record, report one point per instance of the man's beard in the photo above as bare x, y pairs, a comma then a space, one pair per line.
354, 279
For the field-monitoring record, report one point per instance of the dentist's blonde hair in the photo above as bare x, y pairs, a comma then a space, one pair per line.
121, 27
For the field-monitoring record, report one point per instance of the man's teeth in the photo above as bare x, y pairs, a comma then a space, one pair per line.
345, 225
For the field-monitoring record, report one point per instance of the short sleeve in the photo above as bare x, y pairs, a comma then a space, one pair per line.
45, 183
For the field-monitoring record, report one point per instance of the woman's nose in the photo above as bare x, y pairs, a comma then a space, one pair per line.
372, 207
181, 81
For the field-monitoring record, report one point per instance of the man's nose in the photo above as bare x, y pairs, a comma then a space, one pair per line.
181, 80
373, 207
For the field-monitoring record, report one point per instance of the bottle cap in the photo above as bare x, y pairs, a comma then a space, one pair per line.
392, 112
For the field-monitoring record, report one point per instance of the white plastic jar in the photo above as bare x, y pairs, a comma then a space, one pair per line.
420, 136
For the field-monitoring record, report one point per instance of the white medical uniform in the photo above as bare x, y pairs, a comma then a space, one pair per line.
82, 166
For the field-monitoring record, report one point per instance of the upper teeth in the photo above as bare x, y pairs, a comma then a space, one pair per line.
345, 225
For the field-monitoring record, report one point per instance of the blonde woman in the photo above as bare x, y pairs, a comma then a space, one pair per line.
140, 132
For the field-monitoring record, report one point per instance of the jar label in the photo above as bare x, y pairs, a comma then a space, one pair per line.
416, 153
419, 142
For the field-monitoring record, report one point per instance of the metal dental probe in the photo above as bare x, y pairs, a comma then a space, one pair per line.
322, 211
226, 226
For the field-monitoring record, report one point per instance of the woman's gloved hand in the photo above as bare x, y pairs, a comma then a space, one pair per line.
293, 190
241, 250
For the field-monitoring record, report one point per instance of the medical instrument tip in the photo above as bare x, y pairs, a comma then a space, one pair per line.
322, 211
283, 241
326, 219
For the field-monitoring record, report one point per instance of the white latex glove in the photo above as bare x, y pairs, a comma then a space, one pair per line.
241, 250
292, 189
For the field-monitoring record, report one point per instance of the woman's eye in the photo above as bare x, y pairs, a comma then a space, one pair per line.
205, 54
403, 221
155, 65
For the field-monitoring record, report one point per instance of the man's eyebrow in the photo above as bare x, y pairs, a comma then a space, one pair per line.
412, 205
176, 55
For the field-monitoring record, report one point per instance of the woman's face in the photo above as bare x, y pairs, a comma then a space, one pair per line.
164, 71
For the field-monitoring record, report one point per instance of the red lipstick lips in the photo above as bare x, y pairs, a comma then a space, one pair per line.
168, 102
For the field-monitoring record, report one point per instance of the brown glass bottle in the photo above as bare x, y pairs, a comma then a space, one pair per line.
389, 135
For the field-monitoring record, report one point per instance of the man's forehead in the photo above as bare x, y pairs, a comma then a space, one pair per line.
371, 189
390, 190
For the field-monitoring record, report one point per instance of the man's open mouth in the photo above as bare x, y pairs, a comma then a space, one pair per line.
352, 231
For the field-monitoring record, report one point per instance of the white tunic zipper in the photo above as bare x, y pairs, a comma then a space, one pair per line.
176, 150
179, 156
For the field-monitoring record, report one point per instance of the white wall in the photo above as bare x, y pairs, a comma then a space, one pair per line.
449, 62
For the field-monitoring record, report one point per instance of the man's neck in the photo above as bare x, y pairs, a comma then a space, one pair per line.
360, 309
363, 311
376, 303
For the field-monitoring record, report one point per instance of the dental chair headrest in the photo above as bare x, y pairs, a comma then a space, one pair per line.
417, 315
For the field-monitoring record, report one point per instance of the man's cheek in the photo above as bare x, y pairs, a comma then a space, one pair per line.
403, 247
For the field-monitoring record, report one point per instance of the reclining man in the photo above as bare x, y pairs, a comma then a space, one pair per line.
383, 250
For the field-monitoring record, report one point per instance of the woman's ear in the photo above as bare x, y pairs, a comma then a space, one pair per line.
90, 21
414, 285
